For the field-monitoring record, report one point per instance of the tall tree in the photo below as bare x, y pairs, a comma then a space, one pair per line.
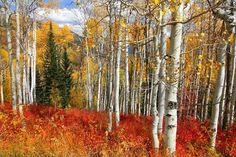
18, 71
50, 72
65, 80
173, 76
10, 53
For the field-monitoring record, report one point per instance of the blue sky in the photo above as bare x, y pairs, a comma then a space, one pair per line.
68, 14
66, 3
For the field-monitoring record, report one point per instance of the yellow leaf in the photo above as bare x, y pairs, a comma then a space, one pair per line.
156, 2
231, 38
122, 24
200, 57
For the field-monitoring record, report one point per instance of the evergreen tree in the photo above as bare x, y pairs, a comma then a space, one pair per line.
65, 81
39, 87
50, 74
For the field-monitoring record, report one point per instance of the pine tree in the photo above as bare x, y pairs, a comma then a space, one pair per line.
39, 87
50, 74
65, 80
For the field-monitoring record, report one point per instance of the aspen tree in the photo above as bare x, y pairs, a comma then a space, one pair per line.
9, 47
18, 71
161, 87
173, 75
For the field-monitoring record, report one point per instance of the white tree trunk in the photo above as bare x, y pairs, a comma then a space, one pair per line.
133, 89
127, 74
24, 85
89, 90
161, 90
140, 83
34, 53
155, 117
99, 81
18, 71
222, 105
110, 94
9, 47
28, 78
117, 82
173, 75
233, 99
217, 96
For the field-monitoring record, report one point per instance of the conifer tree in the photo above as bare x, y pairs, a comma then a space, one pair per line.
39, 87
65, 80
50, 73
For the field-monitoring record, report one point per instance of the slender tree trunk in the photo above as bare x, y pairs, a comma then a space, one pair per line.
133, 89
9, 47
161, 90
222, 105
110, 100
28, 78
127, 74
117, 83
173, 75
33, 68
233, 99
18, 71
217, 96
226, 97
90, 98
155, 117
24, 79
144, 102
99, 81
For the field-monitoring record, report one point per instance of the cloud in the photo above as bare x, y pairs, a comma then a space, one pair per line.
74, 17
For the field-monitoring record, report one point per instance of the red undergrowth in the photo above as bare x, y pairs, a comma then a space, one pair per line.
56, 132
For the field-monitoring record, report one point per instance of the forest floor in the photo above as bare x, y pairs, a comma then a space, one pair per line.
46, 131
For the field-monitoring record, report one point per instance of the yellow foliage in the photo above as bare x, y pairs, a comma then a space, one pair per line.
63, 37
231, 38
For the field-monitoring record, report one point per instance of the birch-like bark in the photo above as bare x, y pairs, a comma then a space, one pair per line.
110, 95
29, 58
24, 84
217, 96
233, 99
127, 74
161, 90
222, 105
33, 68
99, 80
117, 82
155, 117
18, 71
133, 89
173, 75
9, 47
89, 90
